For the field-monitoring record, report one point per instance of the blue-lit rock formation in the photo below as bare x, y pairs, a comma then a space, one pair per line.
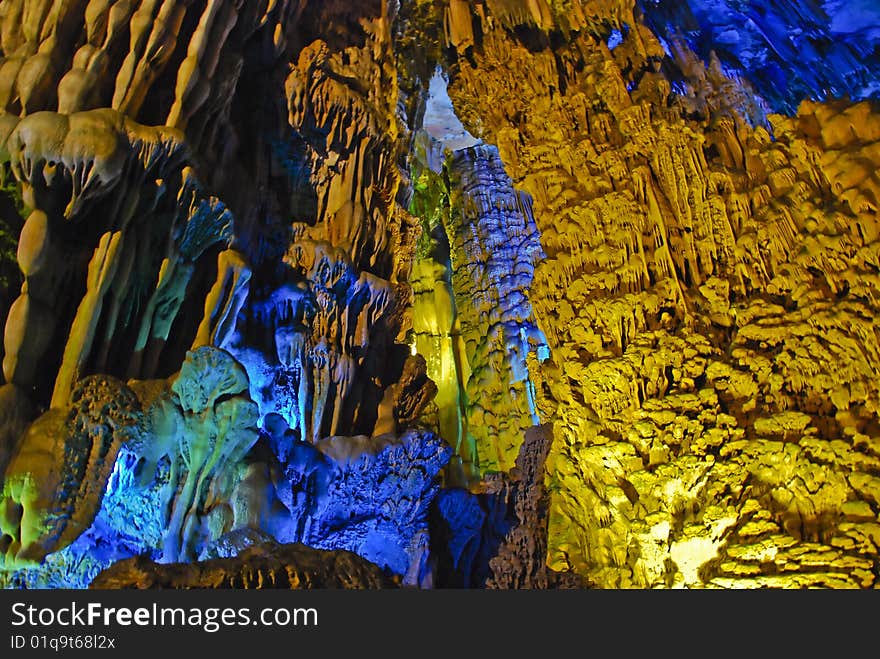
376, 498
497, 538
472, 317
129, 523
788, 50
321, 326
367, 495
495, 246
186, 484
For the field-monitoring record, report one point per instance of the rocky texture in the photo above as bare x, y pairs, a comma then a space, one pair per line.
225, 203
198, 483
327, 154
186, 445
204, 425
521, 558
494, 244
377, 503
108, 249
369, 495
59, 468
408, 398
119, 117
497, 538
435, 328
471, 313
787, 52
707, 297
319, 334
270, 565
322, 334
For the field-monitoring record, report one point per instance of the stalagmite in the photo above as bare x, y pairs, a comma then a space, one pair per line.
102, 269
224, 301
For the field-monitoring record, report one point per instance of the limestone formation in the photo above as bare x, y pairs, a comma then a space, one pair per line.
114, 207
497, 537
270, 565
369, 495
377, 501
60, 466
706, 306
472, 314
494, 243
204, 425
492, 293
816, 52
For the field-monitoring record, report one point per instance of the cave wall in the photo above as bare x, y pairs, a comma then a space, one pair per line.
211, 224
591, 282
708, 296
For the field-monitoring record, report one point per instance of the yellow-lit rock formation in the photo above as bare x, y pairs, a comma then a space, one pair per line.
618, 247
710, 299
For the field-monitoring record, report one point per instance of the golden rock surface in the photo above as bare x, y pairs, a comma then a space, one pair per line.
708, 294
710, 300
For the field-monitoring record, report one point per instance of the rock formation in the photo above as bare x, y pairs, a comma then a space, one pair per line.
60, 467
494, 243
369, 495
497, 537
706, 305
294, 567
491, 293
818, 51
